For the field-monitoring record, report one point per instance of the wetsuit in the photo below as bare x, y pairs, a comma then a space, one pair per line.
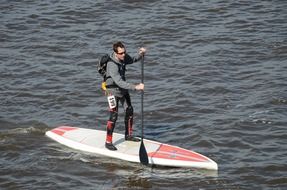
117, 90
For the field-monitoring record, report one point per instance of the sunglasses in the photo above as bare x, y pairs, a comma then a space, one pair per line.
122, 53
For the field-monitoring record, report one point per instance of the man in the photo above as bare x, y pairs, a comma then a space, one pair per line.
117, 91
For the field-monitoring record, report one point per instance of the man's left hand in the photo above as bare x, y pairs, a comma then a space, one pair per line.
142, 51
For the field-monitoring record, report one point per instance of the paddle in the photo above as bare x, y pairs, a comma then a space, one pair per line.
142, 151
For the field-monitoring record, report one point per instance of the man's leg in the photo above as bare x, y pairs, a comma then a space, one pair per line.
110, 127
129, 114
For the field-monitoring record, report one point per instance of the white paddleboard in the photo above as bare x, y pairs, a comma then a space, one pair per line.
93, 141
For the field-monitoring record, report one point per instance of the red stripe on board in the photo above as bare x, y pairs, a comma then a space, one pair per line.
176, 153
58, 132
67, 128
62, 130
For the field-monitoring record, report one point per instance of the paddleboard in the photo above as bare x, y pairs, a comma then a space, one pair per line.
93, 141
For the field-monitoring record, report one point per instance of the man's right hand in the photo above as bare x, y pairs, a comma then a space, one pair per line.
140, 86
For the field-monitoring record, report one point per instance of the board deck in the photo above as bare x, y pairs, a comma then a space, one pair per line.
93, 141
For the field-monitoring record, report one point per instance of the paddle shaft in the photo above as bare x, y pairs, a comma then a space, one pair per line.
142, 97
142, 152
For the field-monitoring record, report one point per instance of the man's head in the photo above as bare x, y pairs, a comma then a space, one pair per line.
120, 50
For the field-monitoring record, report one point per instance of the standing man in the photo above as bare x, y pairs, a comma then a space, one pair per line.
117, 91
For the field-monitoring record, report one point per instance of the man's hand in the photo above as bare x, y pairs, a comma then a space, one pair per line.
142, 51
140, 86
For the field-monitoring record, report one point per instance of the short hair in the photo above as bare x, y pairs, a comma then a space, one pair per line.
118, 45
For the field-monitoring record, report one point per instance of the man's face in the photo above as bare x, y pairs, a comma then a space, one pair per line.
121, 52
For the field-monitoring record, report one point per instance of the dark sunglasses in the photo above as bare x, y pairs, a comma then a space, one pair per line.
122, 53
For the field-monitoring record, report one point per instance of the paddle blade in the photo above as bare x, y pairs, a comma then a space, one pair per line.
143, 154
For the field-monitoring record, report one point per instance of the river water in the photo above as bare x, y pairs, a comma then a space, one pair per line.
215, 78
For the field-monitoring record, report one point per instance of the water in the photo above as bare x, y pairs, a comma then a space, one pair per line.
215, 76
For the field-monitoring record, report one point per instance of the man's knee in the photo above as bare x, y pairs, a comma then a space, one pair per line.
113, 116
129, 111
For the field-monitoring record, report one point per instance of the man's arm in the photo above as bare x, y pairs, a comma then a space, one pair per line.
112, 69
130, 60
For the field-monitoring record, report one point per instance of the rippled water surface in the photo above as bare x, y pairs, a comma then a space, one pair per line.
215, 76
